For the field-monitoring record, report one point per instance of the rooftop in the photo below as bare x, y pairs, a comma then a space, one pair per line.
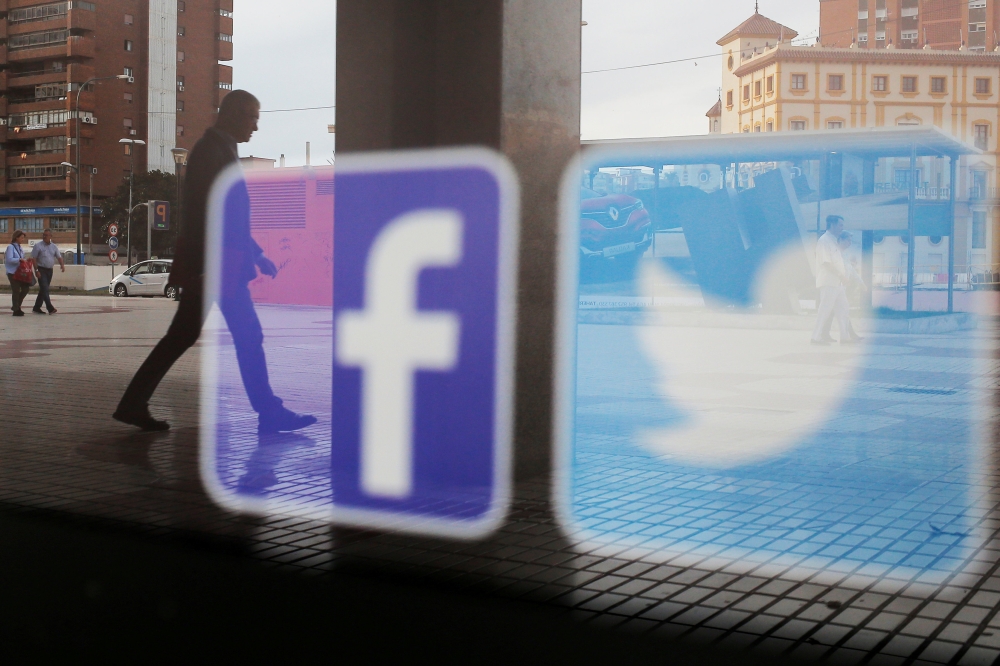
759, 25
716, 110
903, 56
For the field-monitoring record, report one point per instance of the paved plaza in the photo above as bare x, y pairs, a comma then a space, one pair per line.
868, 535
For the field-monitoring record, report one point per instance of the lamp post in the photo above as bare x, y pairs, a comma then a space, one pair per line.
131, 182
93, 79
90, 227
180, 160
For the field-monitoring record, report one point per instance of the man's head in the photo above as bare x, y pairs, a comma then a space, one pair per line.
238, 115
47, 236
835, 224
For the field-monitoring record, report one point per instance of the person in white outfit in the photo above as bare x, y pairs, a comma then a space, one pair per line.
852, 278
831, 276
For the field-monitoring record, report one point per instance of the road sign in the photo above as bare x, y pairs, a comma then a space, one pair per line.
417, 424
159, 215
113, 256
113, 242
112, 229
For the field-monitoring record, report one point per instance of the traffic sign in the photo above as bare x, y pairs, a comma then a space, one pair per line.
113, 242
417, 424
113, 256
159, 215
112, 229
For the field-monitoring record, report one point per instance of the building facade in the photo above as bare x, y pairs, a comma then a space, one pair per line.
171, 49
770, 85
911, 24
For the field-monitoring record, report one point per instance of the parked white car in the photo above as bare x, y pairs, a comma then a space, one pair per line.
147, 278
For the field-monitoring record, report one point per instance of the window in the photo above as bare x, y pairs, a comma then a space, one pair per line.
180, 56
229, 14
746, 93
128, 97
62, 223
756, 88
37, 39
756, 128
798, 125
978, 230
181, 31
128, 44
128, 148
979, 185
40, 13
29, 224
180, 130
981, 134
225, 86
770, 125
181, 5
37, 172
129, 19
180, 84
909, 84
938, 84
798, 81
880, 83
180, 106
127, 122
729, 98
983, 86
770, 84
835, 82
901, 179
223, 37
129, 71
835, 124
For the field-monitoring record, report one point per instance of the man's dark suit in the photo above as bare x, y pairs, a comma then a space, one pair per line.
213, 153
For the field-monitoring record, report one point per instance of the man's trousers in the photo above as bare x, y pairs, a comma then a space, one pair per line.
832, 302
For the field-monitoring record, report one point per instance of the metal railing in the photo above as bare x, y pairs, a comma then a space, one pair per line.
929, 193
972, 276
977, 193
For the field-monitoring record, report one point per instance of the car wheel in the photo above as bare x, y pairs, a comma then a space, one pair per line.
171, 292
120, 290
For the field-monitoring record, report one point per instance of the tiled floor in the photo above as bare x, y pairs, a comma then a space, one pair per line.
62, 452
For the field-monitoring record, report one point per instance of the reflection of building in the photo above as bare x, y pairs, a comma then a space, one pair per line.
939, 24
771, 85
252, 162
171, 49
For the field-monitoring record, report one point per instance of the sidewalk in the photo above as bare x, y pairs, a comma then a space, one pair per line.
69, 370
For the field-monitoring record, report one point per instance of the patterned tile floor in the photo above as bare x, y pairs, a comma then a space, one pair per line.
61, 452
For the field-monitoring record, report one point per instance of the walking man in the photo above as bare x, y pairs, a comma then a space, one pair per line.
830, 279
215, 152
45, 254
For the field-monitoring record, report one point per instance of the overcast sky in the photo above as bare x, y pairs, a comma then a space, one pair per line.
287, 58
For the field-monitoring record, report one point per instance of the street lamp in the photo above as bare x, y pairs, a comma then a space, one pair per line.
90, 228
180, 160
131, 182
93, 79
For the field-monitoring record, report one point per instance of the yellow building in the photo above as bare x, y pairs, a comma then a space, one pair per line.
770, 85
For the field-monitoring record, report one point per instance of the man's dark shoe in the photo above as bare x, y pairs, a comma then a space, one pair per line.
283, 420
142, 420
18, 313
53, 311
37, 310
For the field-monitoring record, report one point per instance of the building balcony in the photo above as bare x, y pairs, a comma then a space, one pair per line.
81, 47
223, 50
3, 133
30, 104
37, 53
59, 185
48, 23
82, 19
24, 134
4, 106
4, 78
983, 193
31, 157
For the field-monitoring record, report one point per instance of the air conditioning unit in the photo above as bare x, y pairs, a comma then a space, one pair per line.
89, 120
131, 79
180, 88
132, 132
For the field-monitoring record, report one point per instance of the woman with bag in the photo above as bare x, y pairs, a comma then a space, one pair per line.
20, 273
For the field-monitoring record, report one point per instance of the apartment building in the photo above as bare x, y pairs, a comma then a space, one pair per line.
172, 51
770, 85
910, 24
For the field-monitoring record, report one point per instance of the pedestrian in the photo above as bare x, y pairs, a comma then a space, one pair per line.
12, 260
830, 278
851, 279
215, 152
45, 255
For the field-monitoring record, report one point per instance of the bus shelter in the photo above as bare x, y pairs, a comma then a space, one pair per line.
798, 178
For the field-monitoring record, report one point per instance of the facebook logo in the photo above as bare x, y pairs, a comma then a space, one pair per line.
423, 322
